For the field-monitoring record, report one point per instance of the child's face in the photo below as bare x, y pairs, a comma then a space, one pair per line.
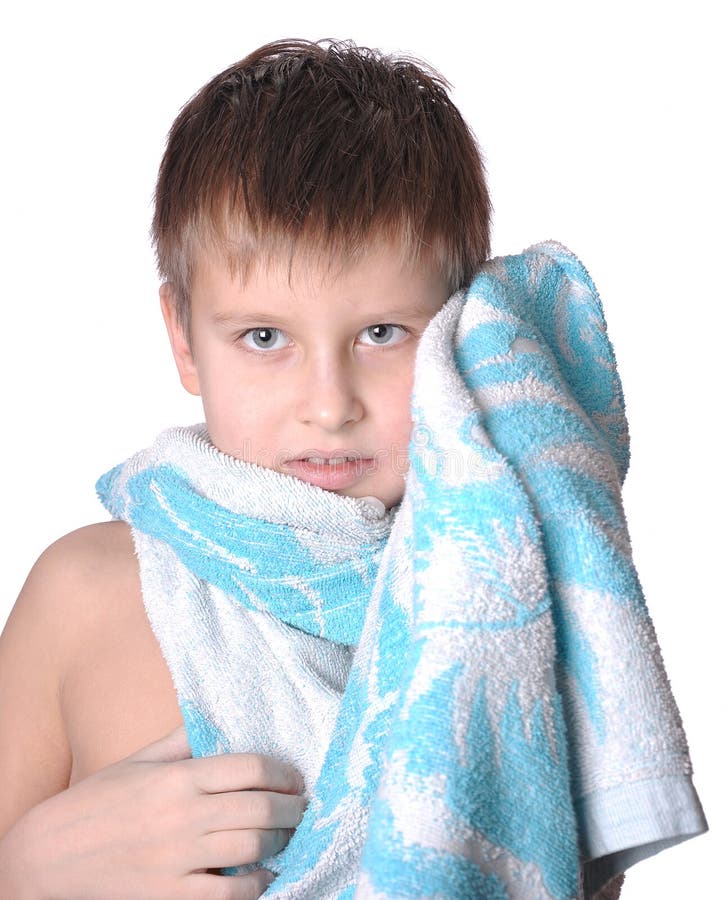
294, 369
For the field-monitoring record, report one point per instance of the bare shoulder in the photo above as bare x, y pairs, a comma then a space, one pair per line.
89, 553
78, 661
81, 567
64, 592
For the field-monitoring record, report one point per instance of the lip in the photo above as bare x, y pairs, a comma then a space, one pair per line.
331, 478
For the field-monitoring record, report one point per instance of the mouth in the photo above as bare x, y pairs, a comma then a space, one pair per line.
331, 471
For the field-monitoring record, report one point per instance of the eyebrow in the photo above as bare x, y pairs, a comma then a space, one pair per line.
233, 318
385, 316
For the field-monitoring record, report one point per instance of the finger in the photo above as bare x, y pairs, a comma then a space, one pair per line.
250, 809
238, 848
171, 747
227, 887
245, 771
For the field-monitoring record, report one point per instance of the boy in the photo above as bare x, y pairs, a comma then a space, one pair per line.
302, 180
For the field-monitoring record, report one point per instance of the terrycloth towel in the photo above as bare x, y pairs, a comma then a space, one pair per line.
470, 681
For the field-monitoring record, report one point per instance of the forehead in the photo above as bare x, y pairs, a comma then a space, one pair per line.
377, 279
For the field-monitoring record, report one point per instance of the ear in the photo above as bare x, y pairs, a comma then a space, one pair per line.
179, 340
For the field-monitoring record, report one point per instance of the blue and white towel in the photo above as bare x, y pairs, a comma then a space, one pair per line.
470, 682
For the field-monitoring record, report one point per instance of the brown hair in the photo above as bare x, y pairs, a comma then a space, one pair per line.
327, 144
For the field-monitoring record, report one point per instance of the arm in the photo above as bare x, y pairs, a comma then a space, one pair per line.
35, 758
57, 840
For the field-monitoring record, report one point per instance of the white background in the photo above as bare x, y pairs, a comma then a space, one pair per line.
602, 126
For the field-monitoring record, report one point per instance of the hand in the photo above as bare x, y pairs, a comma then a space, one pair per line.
152, 825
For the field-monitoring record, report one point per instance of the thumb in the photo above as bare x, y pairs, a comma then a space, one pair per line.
171, 747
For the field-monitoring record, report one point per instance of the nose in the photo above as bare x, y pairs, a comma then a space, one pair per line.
328, 395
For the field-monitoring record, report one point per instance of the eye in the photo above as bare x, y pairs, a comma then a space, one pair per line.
380, 333
262, 338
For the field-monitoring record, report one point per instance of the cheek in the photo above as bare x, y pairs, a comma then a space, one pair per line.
223, 379
395, 409
242, 405
226, 396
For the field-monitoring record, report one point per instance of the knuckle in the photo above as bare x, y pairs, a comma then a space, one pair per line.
172, 789
252, 845
228, 808
262, 809
256, 769
172, 776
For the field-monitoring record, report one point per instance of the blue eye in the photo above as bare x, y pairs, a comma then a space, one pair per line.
379, 333
263, 338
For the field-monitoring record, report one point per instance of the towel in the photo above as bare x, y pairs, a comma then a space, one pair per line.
469, 681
